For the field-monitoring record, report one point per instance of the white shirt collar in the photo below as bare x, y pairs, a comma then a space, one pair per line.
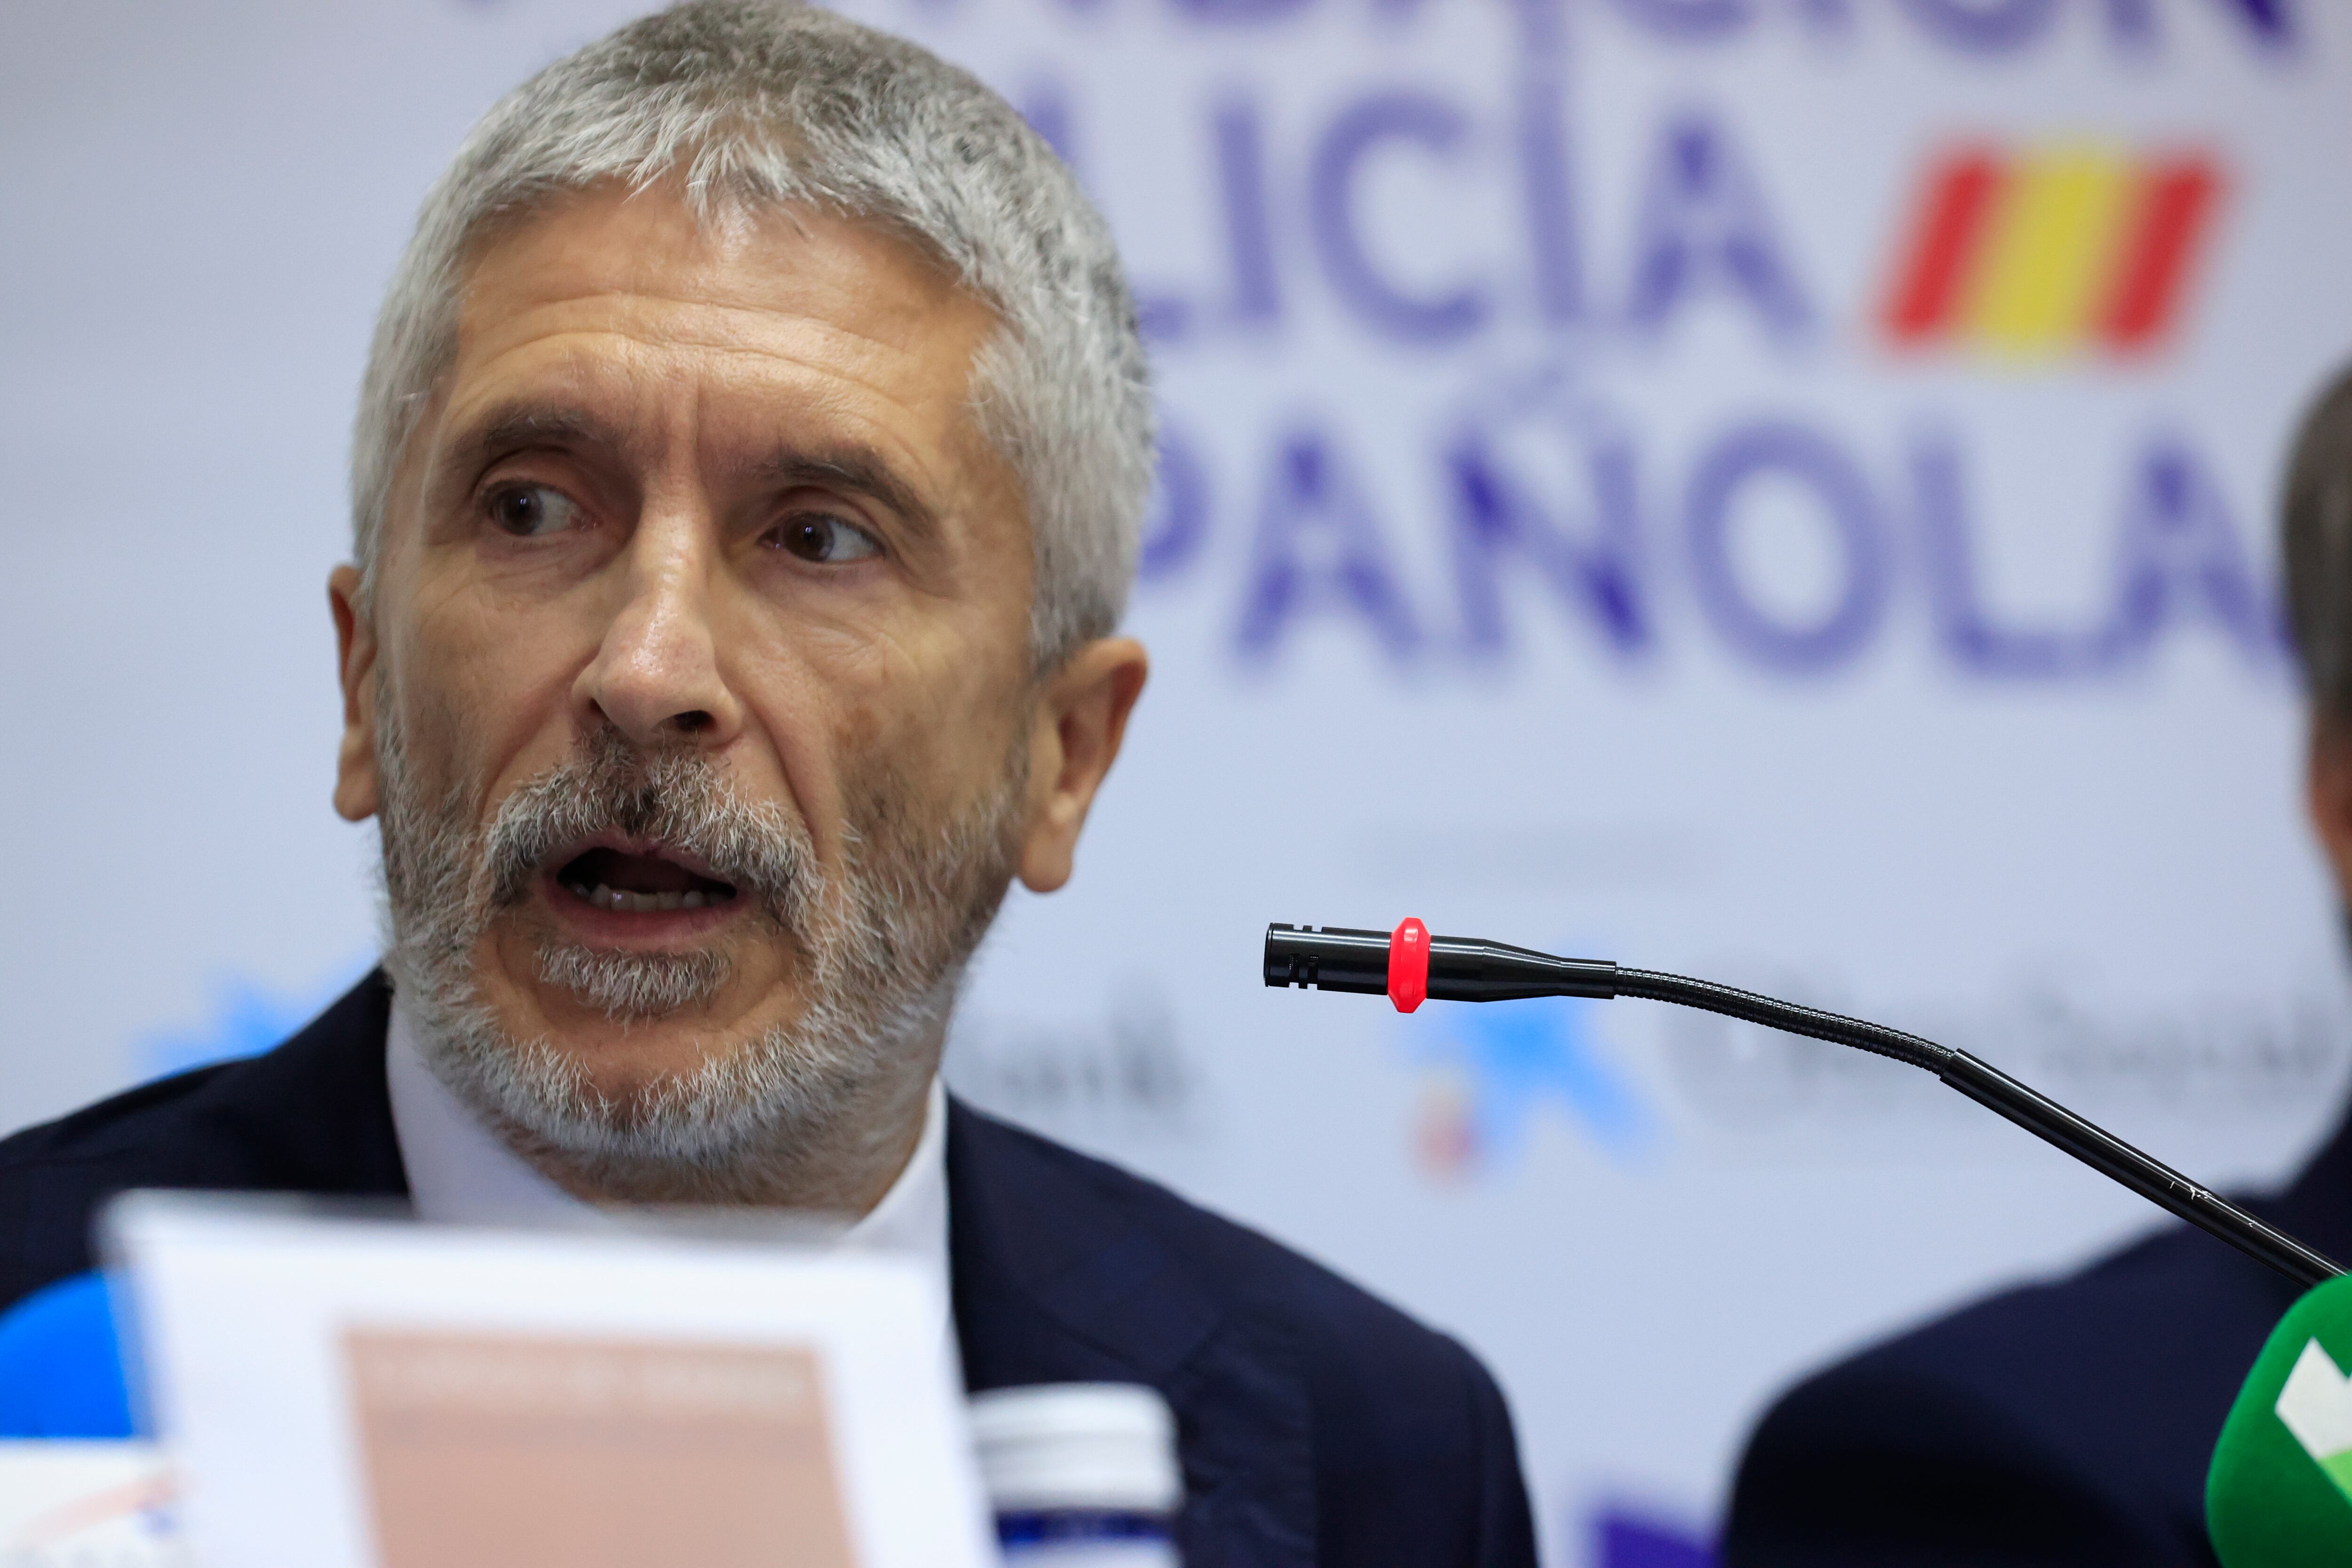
461, 1172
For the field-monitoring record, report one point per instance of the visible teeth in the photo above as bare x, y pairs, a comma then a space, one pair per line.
604, 897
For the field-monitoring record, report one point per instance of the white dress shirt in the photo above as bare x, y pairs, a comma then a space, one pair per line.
461, 1172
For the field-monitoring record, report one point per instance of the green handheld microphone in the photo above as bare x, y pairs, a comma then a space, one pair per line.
2279, 1494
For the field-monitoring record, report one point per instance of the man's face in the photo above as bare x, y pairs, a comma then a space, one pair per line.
712, 494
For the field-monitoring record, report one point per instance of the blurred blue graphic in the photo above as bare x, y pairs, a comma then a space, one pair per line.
245, 1020
1488, 1068
1627, 1538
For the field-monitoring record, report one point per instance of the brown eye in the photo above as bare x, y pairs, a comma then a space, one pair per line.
825, 540
528, 512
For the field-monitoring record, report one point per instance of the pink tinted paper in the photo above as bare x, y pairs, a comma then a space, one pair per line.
510, 1451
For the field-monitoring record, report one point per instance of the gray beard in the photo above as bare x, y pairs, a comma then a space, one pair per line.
884, 947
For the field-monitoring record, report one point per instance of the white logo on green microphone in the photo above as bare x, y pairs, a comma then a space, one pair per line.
2316, 1405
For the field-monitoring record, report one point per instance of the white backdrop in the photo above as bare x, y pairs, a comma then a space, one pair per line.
1602, 510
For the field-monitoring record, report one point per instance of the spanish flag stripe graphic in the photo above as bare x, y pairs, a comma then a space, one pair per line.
2053, 246
1945, 234
2052, 249
2176, 200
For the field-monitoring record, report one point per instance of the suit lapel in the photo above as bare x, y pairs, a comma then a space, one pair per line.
1061, 1276
318, 1107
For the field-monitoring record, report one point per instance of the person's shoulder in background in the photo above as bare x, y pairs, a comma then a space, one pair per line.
312, 1116
2066, 1422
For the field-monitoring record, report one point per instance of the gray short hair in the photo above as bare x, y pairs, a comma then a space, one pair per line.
764, 103
2315, 542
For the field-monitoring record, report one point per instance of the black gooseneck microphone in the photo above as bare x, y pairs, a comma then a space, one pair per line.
1409, 963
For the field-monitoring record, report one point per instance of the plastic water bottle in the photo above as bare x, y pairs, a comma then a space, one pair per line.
1081, 1474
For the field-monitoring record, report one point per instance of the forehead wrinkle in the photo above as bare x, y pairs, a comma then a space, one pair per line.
584, 365
559, 400
582, 359
694, 313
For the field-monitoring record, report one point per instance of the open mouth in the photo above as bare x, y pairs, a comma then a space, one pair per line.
608, 878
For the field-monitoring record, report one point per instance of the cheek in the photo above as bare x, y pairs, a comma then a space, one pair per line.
485, 696
929, 688
900, 720
960, 712
912, 759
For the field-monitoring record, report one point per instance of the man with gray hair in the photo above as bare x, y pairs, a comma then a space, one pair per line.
745, 493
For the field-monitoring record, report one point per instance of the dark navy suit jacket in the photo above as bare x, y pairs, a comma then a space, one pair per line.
1315, 1424
2068, 1422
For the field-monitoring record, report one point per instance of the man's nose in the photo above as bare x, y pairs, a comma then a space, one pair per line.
656, 675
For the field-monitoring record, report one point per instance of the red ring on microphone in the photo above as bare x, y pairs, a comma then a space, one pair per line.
1408, 964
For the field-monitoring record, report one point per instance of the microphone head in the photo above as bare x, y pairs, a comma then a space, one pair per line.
2279, 1494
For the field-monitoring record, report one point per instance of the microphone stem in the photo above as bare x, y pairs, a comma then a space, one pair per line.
1997, 1091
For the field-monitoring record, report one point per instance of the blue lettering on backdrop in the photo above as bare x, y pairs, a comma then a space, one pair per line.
2272, 20
2266, 21
1966, 630
2132, 22
1541, 34
1220, 12
1600, 577
2178, 562
1179, 520
1702, 220
1551, 215
1704, 235
1990, 27
1982, 28
1045, 105
1240, 137
2177, 558
1736, 460
1432, 124
1690, 18
1318, 545
1702, 229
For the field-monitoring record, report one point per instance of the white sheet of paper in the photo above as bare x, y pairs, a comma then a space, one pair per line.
318, 1379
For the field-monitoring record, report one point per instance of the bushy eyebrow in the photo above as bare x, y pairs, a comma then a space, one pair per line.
516, 427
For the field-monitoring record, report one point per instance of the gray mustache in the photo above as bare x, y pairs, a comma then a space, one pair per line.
682, 798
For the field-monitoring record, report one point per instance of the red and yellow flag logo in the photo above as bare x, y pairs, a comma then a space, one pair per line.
2057, 249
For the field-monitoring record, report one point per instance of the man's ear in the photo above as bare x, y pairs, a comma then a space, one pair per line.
357, 786
1081, 717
